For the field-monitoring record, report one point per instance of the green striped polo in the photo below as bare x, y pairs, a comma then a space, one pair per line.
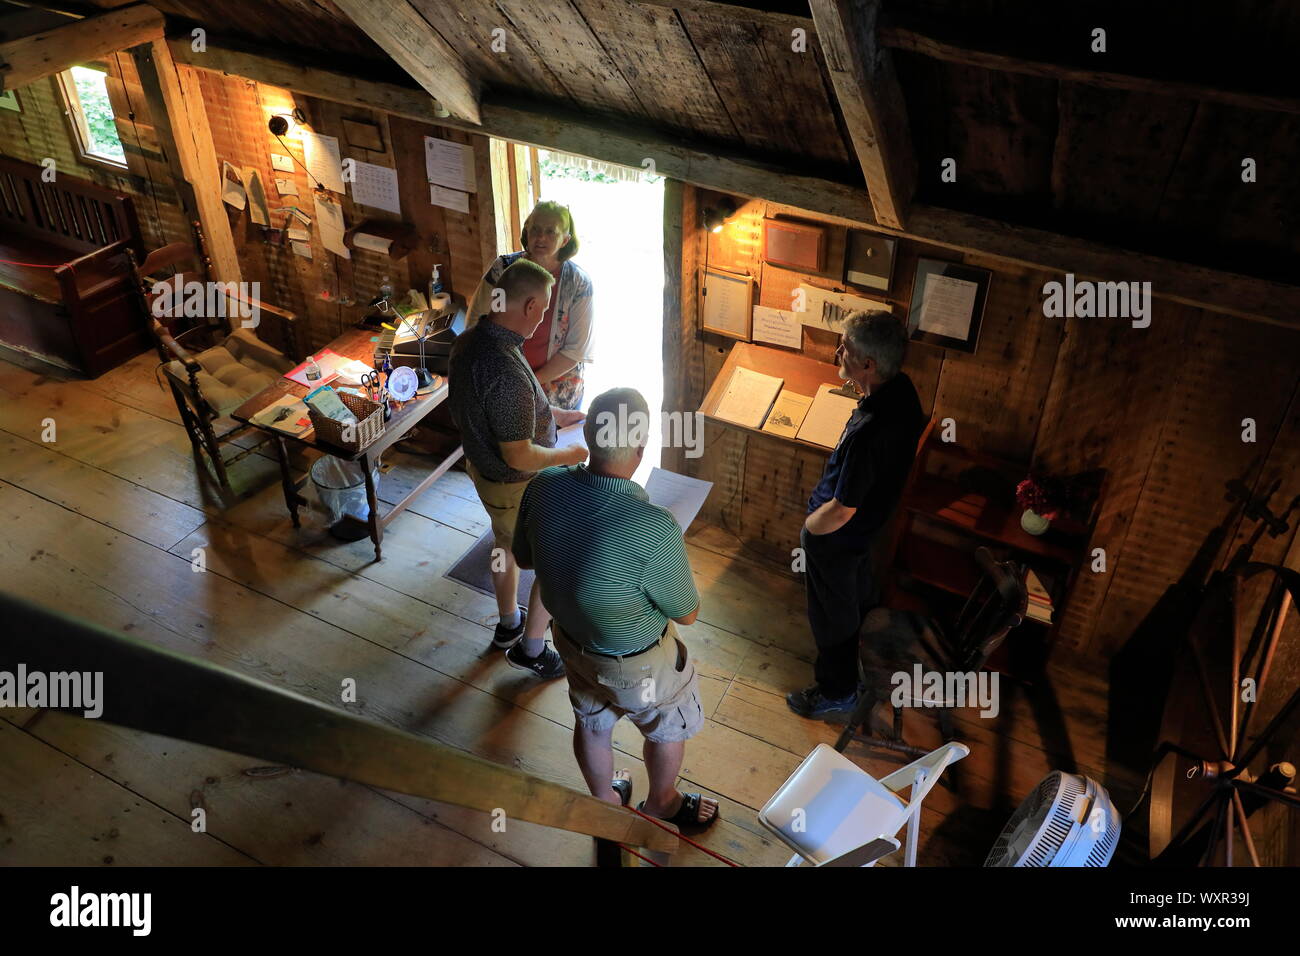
612, 566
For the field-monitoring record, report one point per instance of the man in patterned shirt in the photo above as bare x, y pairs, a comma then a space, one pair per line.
507, 428
614, 572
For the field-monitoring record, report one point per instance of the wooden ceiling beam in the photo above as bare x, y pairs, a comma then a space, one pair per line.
922, 42
420, 50
862, 75
542, 125
28, 59
723, 10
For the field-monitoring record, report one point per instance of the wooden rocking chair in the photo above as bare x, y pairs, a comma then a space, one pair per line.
211, 367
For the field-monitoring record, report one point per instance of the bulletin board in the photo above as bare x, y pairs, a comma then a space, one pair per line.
728, 304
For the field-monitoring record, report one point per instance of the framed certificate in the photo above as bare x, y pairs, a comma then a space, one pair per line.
947, 304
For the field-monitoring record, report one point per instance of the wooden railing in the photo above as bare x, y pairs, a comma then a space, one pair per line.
156, 690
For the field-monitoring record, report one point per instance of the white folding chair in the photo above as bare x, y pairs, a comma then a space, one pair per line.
831, 812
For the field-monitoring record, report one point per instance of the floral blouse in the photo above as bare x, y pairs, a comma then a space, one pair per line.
571, 326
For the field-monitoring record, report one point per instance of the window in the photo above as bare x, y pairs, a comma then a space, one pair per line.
85, 91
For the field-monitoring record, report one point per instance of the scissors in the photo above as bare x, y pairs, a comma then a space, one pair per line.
372, 381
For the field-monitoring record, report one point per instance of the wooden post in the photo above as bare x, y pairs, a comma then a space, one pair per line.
181, 126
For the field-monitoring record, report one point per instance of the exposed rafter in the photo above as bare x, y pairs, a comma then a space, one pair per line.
28, 59
927, 44
543, 125
871, 101
420, 51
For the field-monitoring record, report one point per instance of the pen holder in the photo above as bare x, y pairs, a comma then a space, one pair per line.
348, 437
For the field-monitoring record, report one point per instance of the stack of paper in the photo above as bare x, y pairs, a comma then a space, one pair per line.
332, 365
747, 398
326, 401
827, 417
1039, 605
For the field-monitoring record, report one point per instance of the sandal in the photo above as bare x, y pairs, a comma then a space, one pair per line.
688, 814
625, 791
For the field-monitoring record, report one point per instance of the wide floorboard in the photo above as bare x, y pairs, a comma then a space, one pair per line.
105, 521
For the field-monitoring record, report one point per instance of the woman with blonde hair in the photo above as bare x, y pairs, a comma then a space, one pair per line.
562, 343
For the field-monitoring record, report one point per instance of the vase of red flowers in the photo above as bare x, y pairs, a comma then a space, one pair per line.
1043, 497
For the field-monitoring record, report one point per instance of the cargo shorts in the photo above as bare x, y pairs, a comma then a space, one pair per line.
658, 689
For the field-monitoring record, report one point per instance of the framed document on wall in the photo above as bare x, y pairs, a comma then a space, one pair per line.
794, 245
947, 304
728, 304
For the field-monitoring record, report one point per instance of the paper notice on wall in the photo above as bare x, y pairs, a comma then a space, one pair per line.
363, 240
299, 215
449, 164
232, 187
286, 187
282, 164
778, 327
947, 306
301, 249
257, 208
322, 154
375, 186
448, 198
329, 219
299, 234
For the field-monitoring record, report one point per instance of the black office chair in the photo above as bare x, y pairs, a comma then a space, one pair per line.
892, 641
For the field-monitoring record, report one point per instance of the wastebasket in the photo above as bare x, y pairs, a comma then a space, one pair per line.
341, 486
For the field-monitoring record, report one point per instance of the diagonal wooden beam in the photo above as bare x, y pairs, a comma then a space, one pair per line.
28, 59
420, 51
866, 87
159, 691
796, 190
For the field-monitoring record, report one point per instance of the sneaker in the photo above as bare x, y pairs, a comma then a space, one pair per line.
546, 665
505, 637
811, 702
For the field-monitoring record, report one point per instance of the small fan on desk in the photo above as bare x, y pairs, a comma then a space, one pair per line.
1067, 821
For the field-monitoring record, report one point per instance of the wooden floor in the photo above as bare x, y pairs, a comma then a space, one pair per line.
103, 523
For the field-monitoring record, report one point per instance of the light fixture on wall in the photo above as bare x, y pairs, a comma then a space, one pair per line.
716, 216
281, 124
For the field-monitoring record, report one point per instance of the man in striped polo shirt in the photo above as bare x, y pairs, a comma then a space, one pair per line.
614, 574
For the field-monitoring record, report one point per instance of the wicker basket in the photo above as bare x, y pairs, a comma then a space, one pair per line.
370, 424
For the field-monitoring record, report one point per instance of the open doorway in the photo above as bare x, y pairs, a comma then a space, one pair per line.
618, 215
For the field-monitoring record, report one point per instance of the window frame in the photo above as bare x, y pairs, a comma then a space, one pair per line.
75, 115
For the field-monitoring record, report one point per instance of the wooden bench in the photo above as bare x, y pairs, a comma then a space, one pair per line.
65, 283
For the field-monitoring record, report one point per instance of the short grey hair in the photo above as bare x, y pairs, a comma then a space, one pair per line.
878, 335
618, 424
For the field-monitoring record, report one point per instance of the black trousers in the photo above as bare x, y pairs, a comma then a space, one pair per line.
842, 588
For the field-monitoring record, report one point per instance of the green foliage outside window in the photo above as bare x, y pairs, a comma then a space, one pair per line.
93, 94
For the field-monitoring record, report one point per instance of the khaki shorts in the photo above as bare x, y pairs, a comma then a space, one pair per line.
501, 501
657, 689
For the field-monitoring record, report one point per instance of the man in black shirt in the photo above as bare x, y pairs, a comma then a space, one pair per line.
856, 496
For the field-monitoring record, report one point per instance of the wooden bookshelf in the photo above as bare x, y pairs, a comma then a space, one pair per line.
798, 373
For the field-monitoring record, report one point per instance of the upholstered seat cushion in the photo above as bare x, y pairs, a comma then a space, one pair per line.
233, 371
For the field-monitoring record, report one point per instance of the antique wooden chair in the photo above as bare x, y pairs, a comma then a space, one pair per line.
211, 361
894, 641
